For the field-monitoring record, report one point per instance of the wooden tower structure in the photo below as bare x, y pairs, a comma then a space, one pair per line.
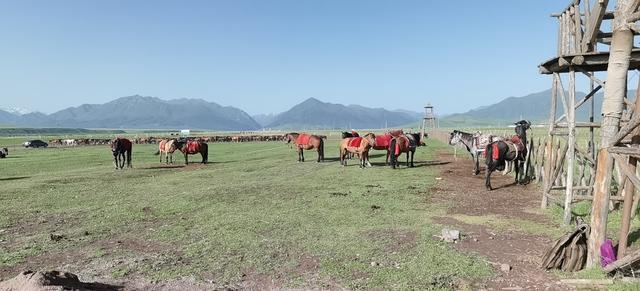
428, 121
583, 49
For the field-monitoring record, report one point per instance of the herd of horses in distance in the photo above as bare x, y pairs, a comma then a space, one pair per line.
498, 151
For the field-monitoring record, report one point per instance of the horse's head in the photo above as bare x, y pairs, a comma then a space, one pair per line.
454, 137
115, 146
346, 134
290, 136
521, 127
370, 138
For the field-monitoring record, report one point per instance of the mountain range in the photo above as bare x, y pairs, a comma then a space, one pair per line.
534, 107
154, 113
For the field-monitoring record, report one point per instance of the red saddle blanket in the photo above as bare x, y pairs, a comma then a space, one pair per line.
193, 147
515, 141
355, 142
303, 139
383, 140
401, 140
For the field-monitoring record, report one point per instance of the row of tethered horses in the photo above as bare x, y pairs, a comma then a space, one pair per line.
497, 150
394, 142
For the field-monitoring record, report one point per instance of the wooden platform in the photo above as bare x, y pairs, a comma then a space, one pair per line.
591, 62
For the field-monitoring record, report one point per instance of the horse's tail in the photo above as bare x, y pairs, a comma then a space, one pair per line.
488, 154
157, 153
205, 152
321, 149
392, 151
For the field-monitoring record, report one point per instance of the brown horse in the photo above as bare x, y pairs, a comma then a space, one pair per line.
192, 147
405, 143
359, 146
121, 149
305, 141
167, 147
382, 143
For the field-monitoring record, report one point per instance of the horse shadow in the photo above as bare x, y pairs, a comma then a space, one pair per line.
14, 178
506, 186
163, 167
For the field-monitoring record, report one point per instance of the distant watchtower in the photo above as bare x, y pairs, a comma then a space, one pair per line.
429, 120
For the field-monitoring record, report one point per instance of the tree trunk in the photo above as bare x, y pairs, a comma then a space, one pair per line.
612, 106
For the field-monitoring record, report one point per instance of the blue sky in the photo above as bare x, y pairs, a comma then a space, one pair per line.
266, 56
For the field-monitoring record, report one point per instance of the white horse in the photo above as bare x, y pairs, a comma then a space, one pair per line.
475, 144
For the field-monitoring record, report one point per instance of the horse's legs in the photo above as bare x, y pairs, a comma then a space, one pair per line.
186, 159
121, 159
368, 163
476, 170
487, 181
517, 166
115, 161
302, 155
129, 158
408, 165
413, 152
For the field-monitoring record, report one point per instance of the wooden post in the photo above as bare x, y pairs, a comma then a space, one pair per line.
612, 106
629, 189
548, 182
571, 152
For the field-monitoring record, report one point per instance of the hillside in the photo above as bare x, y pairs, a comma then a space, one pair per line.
313, 113
144, 112
534, 107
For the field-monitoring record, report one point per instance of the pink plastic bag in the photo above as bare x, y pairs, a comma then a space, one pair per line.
607, 253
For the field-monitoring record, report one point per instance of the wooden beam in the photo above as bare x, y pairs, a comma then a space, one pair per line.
623, 165
593, 25
627, 128
591, 76
582, 101
623, 263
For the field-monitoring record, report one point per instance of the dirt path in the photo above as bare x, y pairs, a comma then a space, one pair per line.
498, 225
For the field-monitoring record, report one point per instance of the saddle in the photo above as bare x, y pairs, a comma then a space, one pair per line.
400, 139
355, 142
303, 139
193, 147
383, 140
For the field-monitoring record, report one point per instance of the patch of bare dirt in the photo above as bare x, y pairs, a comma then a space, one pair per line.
514, 254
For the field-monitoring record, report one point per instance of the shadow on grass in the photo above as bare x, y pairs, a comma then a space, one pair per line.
14, 178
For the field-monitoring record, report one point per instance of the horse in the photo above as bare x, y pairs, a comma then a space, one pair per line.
167, 147
475, 144
497, 153
120, 147
4, 152
346, 134
404, 143
305, 141
192, 147
357, 145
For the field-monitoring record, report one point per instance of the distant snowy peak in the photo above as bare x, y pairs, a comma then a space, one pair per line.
15, 110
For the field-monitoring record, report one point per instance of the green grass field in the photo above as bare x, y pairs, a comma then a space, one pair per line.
253, 211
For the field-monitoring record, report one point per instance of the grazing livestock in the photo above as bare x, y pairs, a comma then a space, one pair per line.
359, 146
192, 147
121, 149
305, 141
499, 152
404, 143
475, 144
4, 152
167, 147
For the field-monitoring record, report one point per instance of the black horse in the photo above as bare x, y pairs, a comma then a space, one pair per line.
406, 143
121, 147
497, 153
4, 152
